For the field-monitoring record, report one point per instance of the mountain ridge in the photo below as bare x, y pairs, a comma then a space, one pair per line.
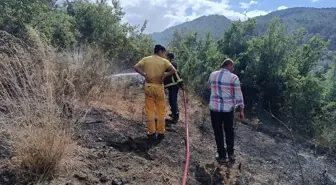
314, 20
189, 26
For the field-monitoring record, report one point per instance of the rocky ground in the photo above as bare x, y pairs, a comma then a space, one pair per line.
111, 149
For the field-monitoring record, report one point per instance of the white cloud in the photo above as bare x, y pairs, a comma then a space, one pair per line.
163, 14
255, 13
282, 8
247, 5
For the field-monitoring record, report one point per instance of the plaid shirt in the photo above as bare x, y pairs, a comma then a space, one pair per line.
225, 91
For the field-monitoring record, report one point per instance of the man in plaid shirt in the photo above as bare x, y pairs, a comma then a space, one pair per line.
225, 96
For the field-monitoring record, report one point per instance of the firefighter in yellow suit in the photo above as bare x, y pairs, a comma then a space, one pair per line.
153, 68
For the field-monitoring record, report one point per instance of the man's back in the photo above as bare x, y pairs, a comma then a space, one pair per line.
225, 91
154, 67
225, 96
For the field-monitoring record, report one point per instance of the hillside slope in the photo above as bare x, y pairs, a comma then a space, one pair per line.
314, 20
111, 149
217, 24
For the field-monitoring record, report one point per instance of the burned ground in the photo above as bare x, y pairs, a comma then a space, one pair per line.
112, 149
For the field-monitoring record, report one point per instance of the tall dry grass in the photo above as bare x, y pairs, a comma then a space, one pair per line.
40, 93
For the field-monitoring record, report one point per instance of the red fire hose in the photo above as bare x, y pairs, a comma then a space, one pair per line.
186, 168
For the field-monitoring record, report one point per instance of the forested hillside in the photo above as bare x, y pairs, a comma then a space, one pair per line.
216, 24
65, 120
278, 72
313, 20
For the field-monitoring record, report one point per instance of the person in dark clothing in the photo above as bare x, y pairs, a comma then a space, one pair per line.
173, 84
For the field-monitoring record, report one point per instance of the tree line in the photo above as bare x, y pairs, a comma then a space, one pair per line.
72, 24
293, 76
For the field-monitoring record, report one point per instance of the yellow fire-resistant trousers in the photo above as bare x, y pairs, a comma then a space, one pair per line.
155, 98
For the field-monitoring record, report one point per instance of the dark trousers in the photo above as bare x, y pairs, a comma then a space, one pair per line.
223, 121
173, 94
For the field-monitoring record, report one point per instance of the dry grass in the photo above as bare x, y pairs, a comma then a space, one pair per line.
40, 151
83, 72
122, 101
39, 96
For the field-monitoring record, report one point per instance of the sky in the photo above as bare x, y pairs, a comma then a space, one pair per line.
162, 14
